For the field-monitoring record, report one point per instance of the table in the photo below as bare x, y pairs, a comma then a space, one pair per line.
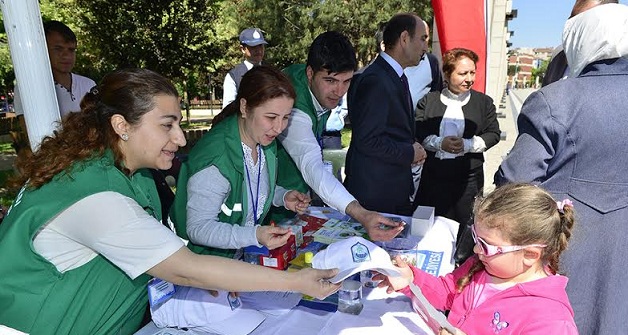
382, 313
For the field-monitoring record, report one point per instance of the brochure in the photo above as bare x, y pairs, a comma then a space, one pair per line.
432, 317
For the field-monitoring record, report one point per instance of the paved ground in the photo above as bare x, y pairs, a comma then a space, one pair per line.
507, 123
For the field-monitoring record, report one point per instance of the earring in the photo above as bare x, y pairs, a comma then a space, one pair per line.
124, 137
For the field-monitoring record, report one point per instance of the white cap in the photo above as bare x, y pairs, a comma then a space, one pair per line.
353, 255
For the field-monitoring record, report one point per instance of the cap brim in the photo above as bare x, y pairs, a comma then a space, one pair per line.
254, 44
342, 275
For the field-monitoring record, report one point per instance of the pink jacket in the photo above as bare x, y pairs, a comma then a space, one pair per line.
537, 307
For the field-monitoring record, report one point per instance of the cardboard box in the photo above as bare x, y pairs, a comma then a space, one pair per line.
422, 220
279, 258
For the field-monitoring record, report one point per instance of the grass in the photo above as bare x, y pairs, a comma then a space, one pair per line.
194, 125
6, 148
346, 137
6, 196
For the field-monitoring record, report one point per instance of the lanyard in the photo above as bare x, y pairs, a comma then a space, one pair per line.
255, 200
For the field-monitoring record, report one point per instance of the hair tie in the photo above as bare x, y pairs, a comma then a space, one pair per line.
561, 205
94, 90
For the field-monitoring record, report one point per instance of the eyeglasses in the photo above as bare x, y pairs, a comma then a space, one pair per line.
492, 250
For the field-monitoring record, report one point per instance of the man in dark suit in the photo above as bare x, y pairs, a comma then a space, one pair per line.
383, 148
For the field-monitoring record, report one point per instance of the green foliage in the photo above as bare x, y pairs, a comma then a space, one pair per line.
292, 25
170, 37
195, 42
6, 68
540, 72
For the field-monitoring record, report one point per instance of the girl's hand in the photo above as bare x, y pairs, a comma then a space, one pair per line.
297, 201
393, 284
272, 237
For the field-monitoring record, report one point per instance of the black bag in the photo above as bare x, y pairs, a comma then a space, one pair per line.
464, 243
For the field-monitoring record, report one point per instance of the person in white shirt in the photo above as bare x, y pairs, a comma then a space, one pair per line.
319, 84
70, 87
252, 44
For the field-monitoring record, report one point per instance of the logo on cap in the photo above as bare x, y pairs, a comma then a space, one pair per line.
360, 253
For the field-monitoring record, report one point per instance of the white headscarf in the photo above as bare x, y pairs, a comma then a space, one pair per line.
598, 33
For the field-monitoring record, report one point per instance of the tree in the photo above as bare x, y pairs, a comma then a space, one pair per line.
173, 38
292, 25
540, 72
6, 68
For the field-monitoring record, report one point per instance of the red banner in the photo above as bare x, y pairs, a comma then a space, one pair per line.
462, 24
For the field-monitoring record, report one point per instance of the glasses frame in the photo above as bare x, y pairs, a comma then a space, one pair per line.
492, 250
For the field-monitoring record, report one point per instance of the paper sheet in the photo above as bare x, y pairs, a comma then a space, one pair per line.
432, 317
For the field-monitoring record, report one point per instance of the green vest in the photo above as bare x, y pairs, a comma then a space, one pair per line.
289, 176
95, 298
222, 148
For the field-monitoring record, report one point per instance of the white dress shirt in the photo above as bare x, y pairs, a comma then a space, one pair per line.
229, 89
301, 144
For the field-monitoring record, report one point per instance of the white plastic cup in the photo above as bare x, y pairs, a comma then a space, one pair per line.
366, 277
350, 297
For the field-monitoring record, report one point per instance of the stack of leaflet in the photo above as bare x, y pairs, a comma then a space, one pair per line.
335, 230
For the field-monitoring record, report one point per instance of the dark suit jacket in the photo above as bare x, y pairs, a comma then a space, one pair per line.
555, 69
379, 159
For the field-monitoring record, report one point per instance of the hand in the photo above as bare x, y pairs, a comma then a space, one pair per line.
215, 293
272, 237
393, 284
313, 282
419, 154
452, 144
373, 222
296, 201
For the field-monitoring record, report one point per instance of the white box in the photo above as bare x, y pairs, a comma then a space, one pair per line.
422, 220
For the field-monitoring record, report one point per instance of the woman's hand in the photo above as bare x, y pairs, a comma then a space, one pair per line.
452, 144
216, 293
272, 237
296, 201
314, 282
393, 284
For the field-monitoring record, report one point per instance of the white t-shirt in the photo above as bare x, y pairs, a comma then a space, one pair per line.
69, 101
128, 236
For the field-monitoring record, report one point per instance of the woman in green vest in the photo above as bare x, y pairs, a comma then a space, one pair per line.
83, 237
228, 183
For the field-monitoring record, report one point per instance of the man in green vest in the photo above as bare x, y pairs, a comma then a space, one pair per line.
320, 84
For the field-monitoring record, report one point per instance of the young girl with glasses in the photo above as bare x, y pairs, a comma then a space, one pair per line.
511, 285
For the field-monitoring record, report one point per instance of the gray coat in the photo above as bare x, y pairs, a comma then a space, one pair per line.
573, 141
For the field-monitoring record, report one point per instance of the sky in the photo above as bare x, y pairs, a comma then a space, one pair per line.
539, 23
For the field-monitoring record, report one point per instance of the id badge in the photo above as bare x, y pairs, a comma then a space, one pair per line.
234, 302
159, 291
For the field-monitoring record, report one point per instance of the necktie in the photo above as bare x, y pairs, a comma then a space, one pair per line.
406, 91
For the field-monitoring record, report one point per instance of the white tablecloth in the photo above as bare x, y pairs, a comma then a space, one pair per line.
382, 313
